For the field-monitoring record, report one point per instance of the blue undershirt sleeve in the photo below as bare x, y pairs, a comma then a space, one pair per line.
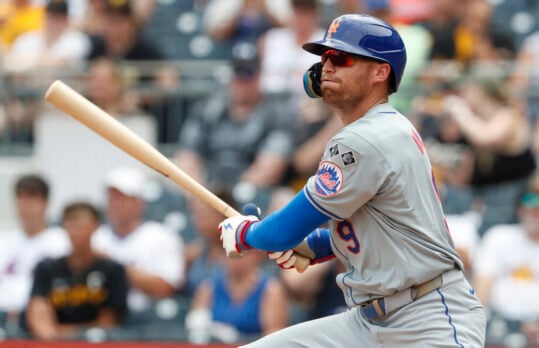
286, 228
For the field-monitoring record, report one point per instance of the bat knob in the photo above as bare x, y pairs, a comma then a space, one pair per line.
251, 209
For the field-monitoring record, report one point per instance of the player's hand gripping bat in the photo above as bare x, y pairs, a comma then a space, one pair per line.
73, 103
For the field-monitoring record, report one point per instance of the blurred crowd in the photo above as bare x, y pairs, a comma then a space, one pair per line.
105, 249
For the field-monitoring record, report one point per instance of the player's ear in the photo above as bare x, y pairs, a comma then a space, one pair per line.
383, 72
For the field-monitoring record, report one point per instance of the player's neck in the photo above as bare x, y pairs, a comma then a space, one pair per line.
353, 112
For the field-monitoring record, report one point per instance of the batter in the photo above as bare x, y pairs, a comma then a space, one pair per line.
374, 187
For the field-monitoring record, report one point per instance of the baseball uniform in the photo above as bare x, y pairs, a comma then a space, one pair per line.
387, 245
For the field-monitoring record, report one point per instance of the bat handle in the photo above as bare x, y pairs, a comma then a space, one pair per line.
301, 263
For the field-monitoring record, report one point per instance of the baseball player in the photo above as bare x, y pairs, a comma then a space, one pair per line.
403, 280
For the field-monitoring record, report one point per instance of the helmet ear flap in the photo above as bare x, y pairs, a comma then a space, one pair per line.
312, 80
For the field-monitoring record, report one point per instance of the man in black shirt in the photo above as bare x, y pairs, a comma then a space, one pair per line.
122, 39
79, 290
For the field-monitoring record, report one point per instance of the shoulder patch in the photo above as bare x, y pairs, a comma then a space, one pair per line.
348, 158
343, 155
334, 150
329, 179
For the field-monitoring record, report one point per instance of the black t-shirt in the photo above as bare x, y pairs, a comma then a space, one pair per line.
228, 146
141, 50
77, 298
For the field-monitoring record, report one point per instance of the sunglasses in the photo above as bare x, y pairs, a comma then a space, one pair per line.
338, 58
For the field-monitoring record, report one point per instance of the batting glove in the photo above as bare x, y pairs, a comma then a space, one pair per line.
233, 231
283, 259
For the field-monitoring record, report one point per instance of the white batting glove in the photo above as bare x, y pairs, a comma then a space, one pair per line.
283, 259
233, 232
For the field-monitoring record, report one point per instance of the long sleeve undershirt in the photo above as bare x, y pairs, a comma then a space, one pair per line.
286, 228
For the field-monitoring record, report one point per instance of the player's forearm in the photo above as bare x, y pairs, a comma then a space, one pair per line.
285, 228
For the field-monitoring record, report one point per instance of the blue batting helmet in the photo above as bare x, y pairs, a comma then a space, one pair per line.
365, 36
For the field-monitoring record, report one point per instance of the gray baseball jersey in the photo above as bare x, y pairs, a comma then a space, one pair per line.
388, 228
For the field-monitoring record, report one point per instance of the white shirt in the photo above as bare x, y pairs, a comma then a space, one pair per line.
18, 258
464, 233
507, 253
152, 248
284, 62
29, 50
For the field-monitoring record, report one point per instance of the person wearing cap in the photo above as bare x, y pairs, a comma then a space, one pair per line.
57, 45
152, 253
506, 266
237, 134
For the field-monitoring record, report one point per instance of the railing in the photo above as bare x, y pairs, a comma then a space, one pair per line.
166, 89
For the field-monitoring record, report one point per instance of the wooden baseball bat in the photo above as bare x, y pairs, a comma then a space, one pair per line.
73, 103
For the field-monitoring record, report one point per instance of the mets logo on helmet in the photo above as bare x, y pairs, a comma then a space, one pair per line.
329, 179
333, 27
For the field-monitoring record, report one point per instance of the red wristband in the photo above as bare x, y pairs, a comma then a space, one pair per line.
241, 233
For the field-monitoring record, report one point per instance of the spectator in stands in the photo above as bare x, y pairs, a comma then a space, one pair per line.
81, 290
314, 125
499, 136
500, 275
122, 39
242, 299
57, 45
204, 254
463, 30
16, 18
477, 38
463, 228
93, 21
321, 297
525, 81
441, 24
106, 88
244, 20
279, 73
152, 254
259, 126
418, 43
23, 248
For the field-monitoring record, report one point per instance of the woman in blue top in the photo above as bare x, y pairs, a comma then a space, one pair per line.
244, 297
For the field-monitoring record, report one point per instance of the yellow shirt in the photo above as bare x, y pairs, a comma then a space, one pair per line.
16, 21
